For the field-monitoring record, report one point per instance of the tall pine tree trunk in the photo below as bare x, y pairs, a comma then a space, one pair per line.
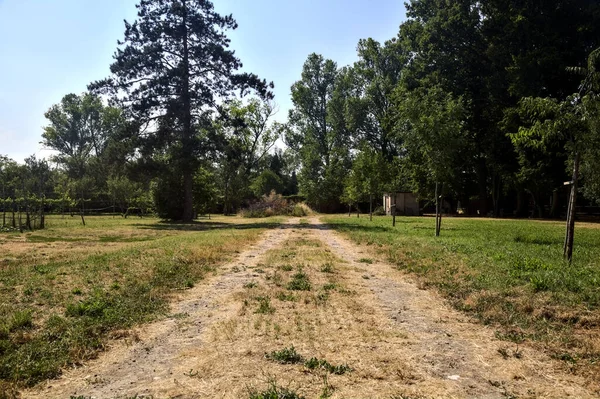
569, 236
187, 172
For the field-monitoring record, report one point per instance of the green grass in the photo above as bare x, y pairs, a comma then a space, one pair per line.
66, 289
285, 356
274, 392
299, 282
506, 272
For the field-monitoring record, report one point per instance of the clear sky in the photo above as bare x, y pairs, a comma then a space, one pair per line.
49, 48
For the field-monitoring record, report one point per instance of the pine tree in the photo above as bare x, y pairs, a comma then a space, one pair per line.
171, 71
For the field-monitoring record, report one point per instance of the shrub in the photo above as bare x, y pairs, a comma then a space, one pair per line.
268, 205
298, 211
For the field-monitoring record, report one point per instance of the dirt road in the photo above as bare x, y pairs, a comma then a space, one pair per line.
398, 340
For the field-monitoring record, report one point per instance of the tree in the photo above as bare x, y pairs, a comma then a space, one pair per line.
266, 182
432, 127
171, 72
572, 122
371, 112
244, 137
320, 140
370, 176
80, 129
123, 193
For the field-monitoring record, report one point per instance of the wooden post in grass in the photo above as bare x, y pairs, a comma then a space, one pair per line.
82, 211
570, 228
393, 214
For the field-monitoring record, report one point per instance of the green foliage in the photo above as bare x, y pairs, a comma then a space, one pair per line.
182, 93
433, 132
315, 364
370, 176
318, 135
285, 356
264, 305
298, 211
274, 392
299, 282
266, 182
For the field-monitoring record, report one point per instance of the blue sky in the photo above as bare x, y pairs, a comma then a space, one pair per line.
49, 48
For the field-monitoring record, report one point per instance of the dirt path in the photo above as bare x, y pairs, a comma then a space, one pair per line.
400, 341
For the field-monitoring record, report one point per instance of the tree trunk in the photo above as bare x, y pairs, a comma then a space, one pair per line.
42, 217
482, 185
371, 207
568, 247
496, 191
437, 210
82, 211
188, 204
349, 209
188, 180
28, 219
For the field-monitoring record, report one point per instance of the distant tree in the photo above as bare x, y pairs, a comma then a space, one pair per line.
123, 192
432, 129
79, 129
320, 140
171, 72
205, 190
266, 182
246, 135
370, 176
371, 112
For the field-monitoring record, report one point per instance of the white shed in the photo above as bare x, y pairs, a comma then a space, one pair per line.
406, 203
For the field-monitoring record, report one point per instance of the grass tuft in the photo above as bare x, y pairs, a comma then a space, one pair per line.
274, 392
299, 282
285, 356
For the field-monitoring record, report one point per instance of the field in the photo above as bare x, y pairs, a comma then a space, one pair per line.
67, 289
319, 306
507, 273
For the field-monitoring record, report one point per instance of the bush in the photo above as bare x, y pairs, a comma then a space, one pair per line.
298, 211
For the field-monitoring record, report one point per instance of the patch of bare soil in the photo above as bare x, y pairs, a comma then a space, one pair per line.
398, 340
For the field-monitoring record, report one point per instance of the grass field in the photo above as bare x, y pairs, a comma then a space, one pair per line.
508, 273
67, 289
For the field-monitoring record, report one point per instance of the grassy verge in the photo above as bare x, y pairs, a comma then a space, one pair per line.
65, 290
508, 273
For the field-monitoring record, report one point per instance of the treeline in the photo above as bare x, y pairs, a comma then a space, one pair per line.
490, 104
98, 170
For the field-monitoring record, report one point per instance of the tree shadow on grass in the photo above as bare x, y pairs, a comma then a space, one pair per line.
207, 225
360, 227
